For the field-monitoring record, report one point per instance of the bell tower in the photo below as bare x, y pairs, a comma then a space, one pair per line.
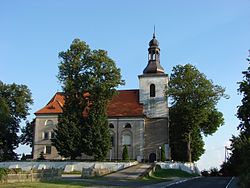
152, 84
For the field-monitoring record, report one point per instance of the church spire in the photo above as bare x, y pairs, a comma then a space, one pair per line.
153, 66
154, 32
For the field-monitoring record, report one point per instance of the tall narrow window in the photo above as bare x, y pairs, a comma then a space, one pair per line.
152, 90
112, 141
45, 135
47, 150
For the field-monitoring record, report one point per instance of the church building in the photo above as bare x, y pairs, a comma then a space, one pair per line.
137, 118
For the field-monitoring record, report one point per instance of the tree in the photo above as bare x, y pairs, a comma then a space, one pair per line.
27, 136
163, 153
193, 111
125, 155
89, 79
14, 106
243, 112
238, 163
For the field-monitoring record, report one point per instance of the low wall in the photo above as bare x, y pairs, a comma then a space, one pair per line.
32, 175
187, 167
67, 166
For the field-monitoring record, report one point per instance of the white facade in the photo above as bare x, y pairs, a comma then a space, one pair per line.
154, 106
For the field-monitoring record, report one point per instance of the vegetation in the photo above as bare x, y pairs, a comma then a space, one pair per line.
238, 163
168, 173
163, 153
193, 111
3, 173
89, 78
125, 155
47, 184
14, 106
27, 136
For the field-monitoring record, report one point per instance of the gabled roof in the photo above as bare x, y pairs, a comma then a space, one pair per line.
124, 104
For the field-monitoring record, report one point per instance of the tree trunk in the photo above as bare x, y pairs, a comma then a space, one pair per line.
189, 155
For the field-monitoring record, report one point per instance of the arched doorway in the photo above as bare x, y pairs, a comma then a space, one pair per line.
152, 157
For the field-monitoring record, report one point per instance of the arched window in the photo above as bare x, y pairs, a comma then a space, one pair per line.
49, 123
128, 125
152, 90
126, 140
111, 126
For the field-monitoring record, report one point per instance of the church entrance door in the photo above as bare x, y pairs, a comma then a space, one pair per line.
152, 157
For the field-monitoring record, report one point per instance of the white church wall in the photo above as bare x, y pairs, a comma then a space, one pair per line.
43, 133
154, 107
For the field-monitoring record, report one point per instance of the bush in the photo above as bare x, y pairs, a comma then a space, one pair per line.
3, 173
163, 153
214, 172
205, 173
125, 155
245, 180
42, 157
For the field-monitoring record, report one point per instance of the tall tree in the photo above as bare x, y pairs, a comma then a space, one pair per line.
27, 136
243, 112
193, 111
238, 163
14, 106
89, 79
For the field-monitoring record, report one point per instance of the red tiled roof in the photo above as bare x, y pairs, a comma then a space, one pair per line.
124, 104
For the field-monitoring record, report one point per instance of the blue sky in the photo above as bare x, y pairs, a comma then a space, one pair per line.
212, 35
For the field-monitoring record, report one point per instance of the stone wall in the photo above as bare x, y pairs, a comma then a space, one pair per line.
32, 175
187, 167
67, 166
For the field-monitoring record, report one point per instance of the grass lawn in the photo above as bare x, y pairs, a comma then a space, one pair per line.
49, 184
159, 175
168, 175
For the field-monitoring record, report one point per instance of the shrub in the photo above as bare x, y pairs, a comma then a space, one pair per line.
41, 157
125, 155
3, 173
214, 172
163, 153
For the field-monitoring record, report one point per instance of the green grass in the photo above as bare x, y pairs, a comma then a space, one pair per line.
49, 184
168, 175
159, 175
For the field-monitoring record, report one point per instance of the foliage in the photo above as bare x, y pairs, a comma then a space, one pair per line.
238, 163
14, 106
193, 99
41, 157
100, 135
163, 153
3, 173
89, 79
27, 136
23, 158
243, 112
214, 172
125, 155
